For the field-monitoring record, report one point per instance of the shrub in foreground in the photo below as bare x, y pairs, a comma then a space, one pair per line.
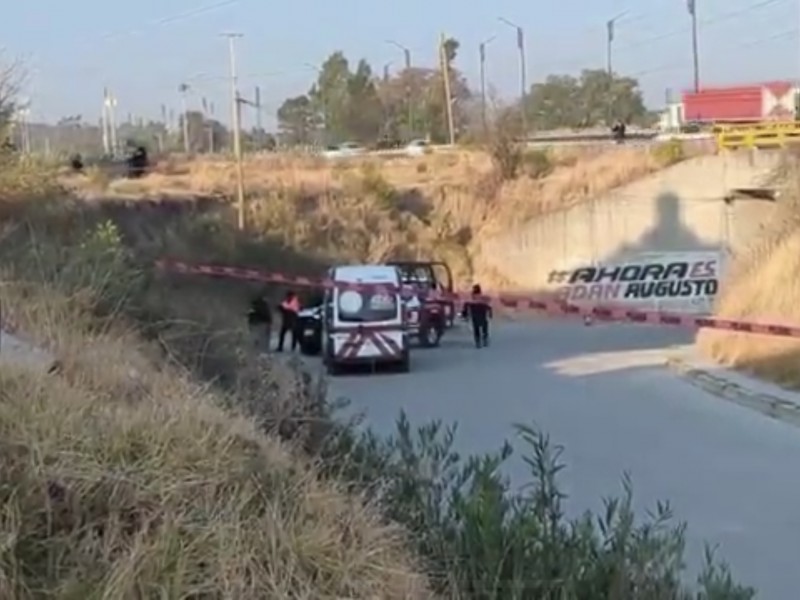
481, 540
121, 489
159, 494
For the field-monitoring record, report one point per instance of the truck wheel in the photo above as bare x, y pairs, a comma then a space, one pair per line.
333, 368
404, 366
430, 336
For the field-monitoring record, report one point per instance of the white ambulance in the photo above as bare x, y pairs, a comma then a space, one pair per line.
365, 323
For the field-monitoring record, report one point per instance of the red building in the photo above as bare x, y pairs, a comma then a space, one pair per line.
772, 101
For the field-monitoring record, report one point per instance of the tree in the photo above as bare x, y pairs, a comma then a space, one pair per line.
459, 92
592, 99
199, 132
297, 121
11, 78
356, 105
402, 98
365, 114
331, 97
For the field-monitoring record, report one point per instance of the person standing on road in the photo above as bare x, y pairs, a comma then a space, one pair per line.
260, 321
290, 308
479, 311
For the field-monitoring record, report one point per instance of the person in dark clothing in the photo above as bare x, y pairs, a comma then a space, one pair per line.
479, 311
618, 132
259, 318
138, 163
76, 162
290, 307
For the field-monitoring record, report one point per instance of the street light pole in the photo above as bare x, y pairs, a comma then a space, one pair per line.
692, 8
482, 49
409, 99
448, 97
237, 133
183, 88
522, 72
325, 138
609, 67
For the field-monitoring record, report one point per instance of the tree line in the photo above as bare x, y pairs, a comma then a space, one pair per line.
349, 102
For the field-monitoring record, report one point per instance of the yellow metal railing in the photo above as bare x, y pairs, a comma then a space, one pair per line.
764, 135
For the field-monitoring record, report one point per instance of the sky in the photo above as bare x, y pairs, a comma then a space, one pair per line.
143, 51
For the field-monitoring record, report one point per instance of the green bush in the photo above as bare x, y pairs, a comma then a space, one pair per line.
480, 540
507, 157
537, 164
670, 152
374, 184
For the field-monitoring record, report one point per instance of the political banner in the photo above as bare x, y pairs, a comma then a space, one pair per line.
665, 281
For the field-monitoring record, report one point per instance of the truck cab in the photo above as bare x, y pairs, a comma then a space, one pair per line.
431, 306
365, 320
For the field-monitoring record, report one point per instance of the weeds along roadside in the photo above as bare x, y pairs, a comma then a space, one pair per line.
436, 206
763, 285
471, 535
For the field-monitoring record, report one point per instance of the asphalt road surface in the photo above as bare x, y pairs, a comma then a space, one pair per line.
603, 393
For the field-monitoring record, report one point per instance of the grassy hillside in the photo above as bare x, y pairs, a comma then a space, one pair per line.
163, 459
764, 285
438, 205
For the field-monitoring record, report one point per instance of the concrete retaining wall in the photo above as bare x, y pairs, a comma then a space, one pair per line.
679, 209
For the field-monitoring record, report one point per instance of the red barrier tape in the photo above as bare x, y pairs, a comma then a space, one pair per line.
517, 301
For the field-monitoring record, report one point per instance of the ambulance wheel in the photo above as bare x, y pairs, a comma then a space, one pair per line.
430, 336
404, 366
333, 368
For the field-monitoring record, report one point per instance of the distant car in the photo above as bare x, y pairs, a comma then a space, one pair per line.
416, 147
344, 150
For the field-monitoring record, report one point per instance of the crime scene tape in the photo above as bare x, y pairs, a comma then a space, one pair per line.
537, 303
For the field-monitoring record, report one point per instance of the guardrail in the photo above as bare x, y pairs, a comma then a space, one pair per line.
757, 135
589, 137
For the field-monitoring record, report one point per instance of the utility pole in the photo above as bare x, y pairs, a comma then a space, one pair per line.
259, 120
323, 139
482, 50
447, 95
522, 73
237, 133
183, 89
109, 123
113, 125
692, 8
409, 95
104, 120
609, 67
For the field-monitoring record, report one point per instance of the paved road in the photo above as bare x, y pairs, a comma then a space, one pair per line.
601, 392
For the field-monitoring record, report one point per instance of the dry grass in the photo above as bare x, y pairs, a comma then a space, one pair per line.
124, 474
764, 286
435, 206
124, 478
579, 173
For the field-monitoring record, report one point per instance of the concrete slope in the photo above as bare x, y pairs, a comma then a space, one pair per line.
605, 394
679, 209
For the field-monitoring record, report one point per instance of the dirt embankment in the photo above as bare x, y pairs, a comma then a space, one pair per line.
764, 286
435, 206
163, 455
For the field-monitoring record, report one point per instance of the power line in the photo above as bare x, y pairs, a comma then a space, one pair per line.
683, 64
708, 21
713, 20
188, 14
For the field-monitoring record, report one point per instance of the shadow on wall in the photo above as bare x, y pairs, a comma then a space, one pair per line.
689, 284
670, 233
